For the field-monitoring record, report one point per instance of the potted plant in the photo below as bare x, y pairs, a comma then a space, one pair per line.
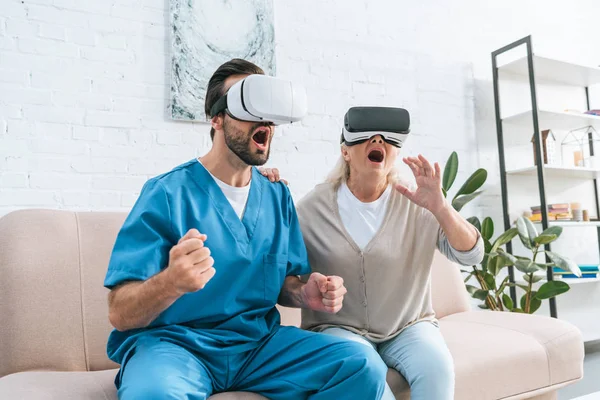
491, 286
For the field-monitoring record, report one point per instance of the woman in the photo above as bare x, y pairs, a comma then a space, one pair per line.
380, 237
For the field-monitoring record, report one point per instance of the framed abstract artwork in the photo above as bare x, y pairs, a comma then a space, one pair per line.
207, 33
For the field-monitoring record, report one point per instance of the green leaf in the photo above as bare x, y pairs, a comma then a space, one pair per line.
551, 289
484, 306
525, 288
523, 301
471, 289
504, 238
444, 193
495, 264
508, 303
459, 202
487, 228
450, 171
527, 266
490, 281
468, 277
564, 263
534, 303
536, 278
487, 245
523, 232
545, 239
509, 259
531, 230
517, 310
553, 230
480, 294
475, 181
475, 222
464, 271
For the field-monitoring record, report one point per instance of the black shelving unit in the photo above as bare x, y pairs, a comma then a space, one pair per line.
526, 41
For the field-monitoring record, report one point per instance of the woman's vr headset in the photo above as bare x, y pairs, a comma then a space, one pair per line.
260, 98
362, 123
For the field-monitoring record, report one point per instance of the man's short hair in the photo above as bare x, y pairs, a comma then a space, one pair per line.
216, 84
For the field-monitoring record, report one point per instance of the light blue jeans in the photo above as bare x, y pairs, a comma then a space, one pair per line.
420, 354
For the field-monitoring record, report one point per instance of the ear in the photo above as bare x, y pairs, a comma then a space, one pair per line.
345, 154
217, 121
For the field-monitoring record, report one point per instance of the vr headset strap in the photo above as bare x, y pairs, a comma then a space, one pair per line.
219, 106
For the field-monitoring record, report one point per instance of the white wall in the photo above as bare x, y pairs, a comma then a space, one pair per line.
84, 96
84, 87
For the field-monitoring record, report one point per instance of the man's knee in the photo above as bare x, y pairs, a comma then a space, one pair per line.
151, 389
367, 363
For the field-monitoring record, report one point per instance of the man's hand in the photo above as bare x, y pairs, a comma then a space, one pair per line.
429, 185
323, 293
190, 264
272, 174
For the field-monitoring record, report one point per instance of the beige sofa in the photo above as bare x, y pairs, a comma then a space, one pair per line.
54, 325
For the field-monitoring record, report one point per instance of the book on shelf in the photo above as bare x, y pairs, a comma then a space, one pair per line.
585, 267
587, 271
573, 276
553, 211
552, 217
555, 206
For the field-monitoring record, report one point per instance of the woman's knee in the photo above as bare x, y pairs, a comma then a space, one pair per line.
435, 365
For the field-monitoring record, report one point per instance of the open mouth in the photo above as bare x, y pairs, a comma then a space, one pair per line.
261, 137
376, 156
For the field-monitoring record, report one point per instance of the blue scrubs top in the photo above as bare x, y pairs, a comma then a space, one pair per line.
236, 309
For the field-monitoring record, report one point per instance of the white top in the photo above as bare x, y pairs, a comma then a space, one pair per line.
361, 220
237, 196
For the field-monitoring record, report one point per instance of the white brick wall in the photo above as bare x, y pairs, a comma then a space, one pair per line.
84, 87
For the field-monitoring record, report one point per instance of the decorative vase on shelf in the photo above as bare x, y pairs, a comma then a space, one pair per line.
576, 146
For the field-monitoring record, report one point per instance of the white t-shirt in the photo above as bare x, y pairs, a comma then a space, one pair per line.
237, 196
361, 220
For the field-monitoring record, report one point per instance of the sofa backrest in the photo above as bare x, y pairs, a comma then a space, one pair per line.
53, 306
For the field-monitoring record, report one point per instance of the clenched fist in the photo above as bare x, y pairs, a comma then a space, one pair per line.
190, 264
324, 293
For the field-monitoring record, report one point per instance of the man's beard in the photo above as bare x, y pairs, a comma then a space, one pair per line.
240, 143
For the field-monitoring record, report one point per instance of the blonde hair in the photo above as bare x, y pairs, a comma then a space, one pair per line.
341, 172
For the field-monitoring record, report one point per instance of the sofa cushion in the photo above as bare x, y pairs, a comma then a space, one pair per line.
99, 385
46, 385
499, 355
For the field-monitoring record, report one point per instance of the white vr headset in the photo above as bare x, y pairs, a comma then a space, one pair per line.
362, 123
260, 98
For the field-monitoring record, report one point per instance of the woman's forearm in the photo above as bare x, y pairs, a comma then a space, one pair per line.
461, 235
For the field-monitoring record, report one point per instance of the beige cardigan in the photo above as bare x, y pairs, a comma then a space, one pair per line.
388, 282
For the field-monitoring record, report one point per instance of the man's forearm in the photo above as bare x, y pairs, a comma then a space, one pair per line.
460, 233
136, 304
291, 295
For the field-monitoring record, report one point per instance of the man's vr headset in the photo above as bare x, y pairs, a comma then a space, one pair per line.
260, 98
362, 123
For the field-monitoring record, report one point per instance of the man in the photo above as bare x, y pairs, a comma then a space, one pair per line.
207, 251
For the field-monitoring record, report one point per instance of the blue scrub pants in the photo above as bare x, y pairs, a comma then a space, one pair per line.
289, 364
420, 354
